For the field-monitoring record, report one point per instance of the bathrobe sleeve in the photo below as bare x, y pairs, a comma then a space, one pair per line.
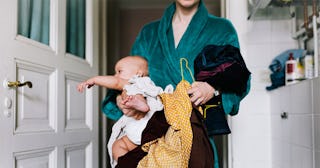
109, 106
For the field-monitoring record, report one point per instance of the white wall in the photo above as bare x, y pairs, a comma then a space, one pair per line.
260, 42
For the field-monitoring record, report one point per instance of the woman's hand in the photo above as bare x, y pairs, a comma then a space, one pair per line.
200, 93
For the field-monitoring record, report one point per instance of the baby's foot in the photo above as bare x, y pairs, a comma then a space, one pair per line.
137, 102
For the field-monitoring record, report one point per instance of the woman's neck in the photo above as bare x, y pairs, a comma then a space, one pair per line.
184, 15
180, 21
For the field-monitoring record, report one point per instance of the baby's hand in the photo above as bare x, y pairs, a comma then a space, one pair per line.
86, 84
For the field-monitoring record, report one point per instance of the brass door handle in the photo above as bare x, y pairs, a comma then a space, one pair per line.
284, 115
19, 84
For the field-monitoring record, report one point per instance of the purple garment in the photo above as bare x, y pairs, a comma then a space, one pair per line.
202, 75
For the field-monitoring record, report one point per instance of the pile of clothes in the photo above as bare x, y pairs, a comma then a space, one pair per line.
278, 67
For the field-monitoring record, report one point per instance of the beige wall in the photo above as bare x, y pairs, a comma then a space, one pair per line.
131, 21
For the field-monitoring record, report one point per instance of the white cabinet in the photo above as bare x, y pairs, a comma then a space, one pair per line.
316, 110
292, 126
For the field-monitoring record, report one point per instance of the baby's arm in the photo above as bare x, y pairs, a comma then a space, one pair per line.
110, 82
122, 146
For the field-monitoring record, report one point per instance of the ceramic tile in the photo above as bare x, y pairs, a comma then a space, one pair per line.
259, 32
301, 157
301, 130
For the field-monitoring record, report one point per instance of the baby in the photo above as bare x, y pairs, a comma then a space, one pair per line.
125, 69
130, 78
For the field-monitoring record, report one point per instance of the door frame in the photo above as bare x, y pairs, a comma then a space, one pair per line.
103, 64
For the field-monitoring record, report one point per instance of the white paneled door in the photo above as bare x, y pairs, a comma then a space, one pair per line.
46, 48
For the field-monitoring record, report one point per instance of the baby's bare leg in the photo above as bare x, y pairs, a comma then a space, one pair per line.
122, 146
137, 102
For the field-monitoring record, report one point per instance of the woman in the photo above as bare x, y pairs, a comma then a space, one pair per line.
184, 31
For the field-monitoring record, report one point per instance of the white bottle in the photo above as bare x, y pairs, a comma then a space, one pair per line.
291, 69
308, 66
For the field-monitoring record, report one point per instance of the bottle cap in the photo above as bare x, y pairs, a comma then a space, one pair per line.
291, 56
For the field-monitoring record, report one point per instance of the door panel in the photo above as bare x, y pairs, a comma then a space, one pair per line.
42, 158
35, 106
76, 156
77, 111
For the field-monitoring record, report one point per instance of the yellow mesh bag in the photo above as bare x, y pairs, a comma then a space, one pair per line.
174, 148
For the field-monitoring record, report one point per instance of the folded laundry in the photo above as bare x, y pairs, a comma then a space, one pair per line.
277, 67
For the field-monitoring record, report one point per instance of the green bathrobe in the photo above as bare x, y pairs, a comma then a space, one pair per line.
155, 42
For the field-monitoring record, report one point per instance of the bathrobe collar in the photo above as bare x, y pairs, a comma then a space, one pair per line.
190, 43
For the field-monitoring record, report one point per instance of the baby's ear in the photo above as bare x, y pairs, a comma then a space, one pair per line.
140, 73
